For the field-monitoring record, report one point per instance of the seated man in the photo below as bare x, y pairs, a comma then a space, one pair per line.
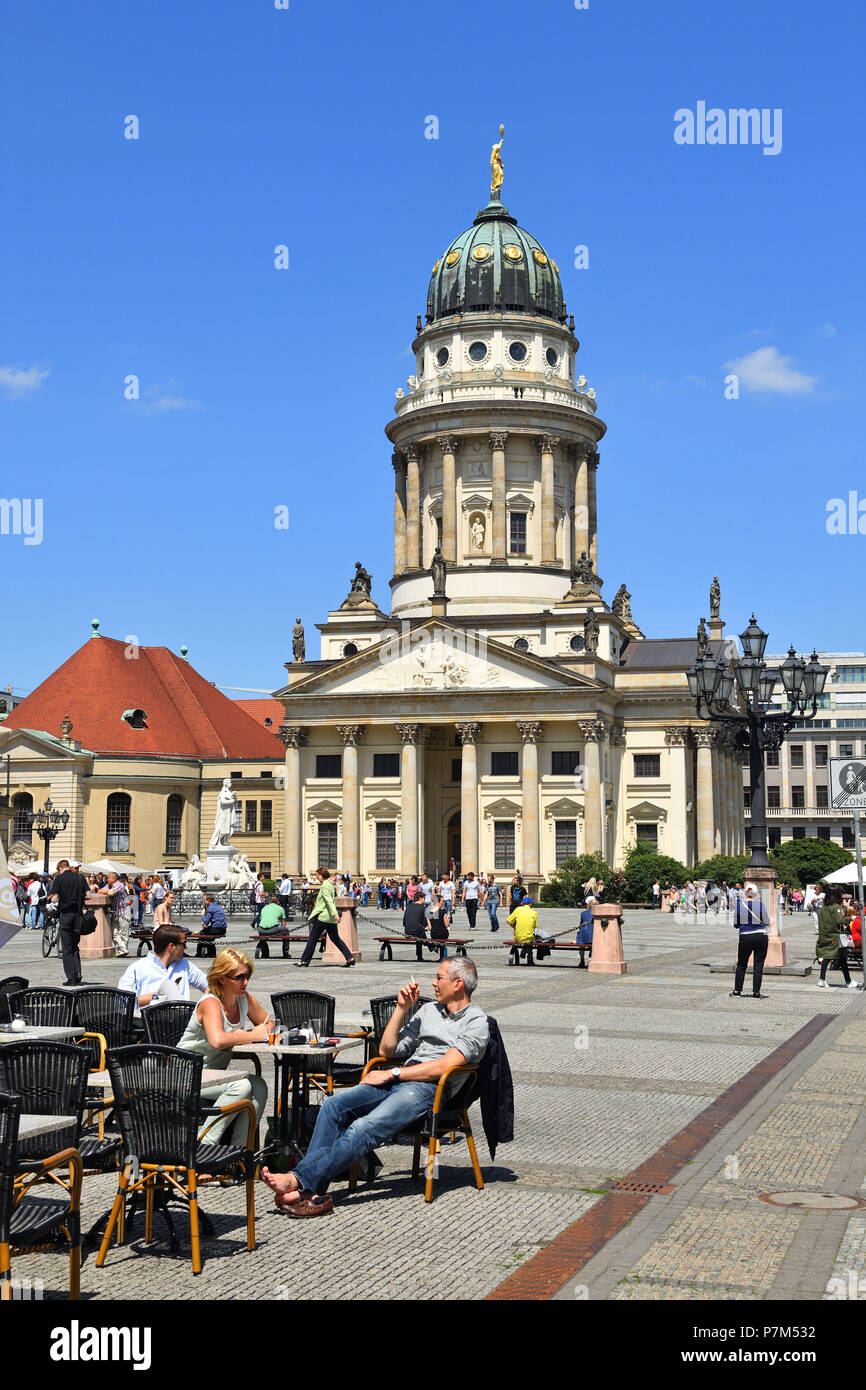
164, 974
273, 918
446, 1034
524, 920
213, 917
584, 936
415, 923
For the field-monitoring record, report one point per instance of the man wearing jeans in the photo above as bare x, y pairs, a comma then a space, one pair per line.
449, 1033
753, 924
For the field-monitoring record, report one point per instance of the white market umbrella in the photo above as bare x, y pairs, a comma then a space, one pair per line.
847, 874
108, 866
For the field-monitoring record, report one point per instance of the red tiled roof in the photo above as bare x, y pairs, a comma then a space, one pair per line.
186, 716
260, 710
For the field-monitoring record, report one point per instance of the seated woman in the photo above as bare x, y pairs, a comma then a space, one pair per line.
228, 1017
584, 936
440, 921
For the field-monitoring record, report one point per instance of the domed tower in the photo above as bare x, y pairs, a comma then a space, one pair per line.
495, 445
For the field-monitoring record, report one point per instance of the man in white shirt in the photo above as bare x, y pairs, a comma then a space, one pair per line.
165, 973
446, 892
285, 888
425, 884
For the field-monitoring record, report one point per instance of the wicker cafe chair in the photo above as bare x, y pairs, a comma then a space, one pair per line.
456, 1091
381, 1010
292, 1008
51, 1079
165, 1023
13, 984
157, 1092
28, 1223
106, 1014
44, 1006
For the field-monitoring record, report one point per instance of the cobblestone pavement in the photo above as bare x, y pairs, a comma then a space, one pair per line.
607, 1070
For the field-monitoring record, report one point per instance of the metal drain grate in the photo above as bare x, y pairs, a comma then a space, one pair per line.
650, 1188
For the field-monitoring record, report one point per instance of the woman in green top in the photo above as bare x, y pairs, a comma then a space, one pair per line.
323, 918
832, 919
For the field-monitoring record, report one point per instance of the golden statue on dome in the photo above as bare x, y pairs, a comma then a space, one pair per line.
496, 163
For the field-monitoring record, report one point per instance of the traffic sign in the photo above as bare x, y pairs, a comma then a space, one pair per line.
848, 784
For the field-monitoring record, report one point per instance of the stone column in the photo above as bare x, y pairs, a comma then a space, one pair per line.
351, 734
399, 463
530, 732
469, 734
704, 738
449, 444
497, 440
720, 836
409, 735
676, 738
593, 733
593, 510
581, 454
547, 443
413, 512
294, 736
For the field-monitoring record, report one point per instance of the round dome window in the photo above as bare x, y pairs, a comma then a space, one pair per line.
517, 352
477, 351
513, 253
442, 357
350, 649
452, 258
577, 644
521, 644
540, 258
552, 358
481, 251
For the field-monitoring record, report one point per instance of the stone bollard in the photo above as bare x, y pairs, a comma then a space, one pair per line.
607, 955
99, 945
346, 930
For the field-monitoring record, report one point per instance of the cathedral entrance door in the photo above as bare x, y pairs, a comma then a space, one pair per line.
453, 835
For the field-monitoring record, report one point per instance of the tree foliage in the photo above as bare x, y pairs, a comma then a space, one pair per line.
722, 868
642, 868
565, 888
798, 862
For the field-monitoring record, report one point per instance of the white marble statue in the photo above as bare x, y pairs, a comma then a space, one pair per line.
195, 876
240, 875
477, 530
226, 803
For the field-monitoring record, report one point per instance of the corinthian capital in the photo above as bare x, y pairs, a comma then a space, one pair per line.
529, 730
584, 452
468, 733
398, 462
408, 733
704, 738
497, 439
448, 443
593, 730
351, 733
292, 735
676, 736
547, 443
413, 453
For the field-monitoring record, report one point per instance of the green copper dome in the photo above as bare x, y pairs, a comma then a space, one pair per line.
495, 265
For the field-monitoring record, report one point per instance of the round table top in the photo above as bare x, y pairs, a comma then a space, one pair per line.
294, 1049
30, 1126
35, 1033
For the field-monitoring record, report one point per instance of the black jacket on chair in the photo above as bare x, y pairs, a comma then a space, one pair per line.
496, 1091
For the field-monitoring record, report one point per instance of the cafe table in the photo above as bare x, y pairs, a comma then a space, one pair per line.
31, 1126
293, 1062
35, 1033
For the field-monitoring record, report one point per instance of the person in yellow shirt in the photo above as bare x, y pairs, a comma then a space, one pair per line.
524, 920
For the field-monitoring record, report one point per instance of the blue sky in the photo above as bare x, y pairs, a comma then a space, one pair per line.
261, 388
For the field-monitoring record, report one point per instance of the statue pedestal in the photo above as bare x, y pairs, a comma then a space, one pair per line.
217, 862
99, 944
607, 954
765, 882
347, 932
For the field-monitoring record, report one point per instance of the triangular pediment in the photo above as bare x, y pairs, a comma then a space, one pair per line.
564, 807
323, 810
382, 809
434, 657
504, 807
646, 810
36, 743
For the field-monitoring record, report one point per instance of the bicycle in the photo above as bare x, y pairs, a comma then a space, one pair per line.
51, 934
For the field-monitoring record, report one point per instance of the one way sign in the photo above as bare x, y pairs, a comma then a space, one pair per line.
848, 784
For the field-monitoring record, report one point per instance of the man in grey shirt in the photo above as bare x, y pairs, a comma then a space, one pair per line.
448, 1033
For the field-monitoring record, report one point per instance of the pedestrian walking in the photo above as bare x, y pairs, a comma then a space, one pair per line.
470, 898
834, 938
491, 900
323, 918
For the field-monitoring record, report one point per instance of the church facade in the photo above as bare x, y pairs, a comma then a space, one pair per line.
502, 715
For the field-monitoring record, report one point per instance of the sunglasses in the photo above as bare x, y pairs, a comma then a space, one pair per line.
240, 977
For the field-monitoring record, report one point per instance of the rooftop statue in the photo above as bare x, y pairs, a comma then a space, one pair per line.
496, 163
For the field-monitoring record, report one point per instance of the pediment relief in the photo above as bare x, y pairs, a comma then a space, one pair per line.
323, 810
564, 808
382, 810
504, 808
646, 810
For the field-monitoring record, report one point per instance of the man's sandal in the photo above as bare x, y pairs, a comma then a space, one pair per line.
308, 1206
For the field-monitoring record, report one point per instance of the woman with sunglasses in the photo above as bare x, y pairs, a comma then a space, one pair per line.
228, 1017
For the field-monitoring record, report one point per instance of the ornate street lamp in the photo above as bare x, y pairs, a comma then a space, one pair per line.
755, 725
48, 824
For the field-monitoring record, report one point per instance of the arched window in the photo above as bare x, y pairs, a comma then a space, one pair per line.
117, 814
173, 825
22, 805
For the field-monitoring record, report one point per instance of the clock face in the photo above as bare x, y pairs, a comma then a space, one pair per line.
540, 257
477, 351
513, 253
481, 251
517, 352
452, 258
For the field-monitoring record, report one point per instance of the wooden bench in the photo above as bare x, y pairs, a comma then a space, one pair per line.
387, 942
205, 943
144, 936
286, 938
515, 947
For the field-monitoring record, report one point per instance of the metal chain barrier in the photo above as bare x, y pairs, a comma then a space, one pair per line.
491, 946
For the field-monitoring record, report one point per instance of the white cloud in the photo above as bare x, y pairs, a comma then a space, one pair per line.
161, 404
827, 330
20, 381
766, 369
696, 380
